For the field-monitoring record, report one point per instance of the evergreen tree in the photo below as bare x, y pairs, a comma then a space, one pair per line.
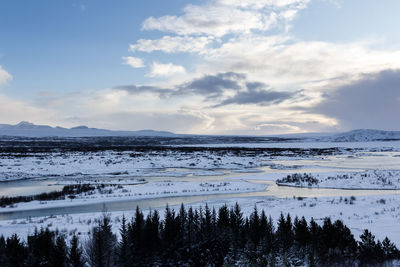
15, 251
223, 217
101, 245
367, 248
75, 256
200, 237
3, 257
123, 252
389, 249
40, 247
59, 256
254, 227
301, 233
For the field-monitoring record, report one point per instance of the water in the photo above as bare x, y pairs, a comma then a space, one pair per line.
357, 162
29, 187
272, 190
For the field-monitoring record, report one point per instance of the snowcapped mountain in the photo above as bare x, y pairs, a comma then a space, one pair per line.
28, 129
363, 135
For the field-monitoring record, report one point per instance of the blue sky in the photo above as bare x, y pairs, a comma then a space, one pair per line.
212, 67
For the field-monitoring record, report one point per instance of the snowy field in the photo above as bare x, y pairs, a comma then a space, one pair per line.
167, 188
217, 174
379, 214
370, 179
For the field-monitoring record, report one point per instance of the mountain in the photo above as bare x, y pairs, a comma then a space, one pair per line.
28, 129
363, 135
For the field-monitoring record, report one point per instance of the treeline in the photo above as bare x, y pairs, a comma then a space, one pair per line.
299, 179
68, 190
203, 237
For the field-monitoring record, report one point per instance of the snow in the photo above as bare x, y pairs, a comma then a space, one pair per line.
226, 178
379, 214
121, 164
370, 179
161, 189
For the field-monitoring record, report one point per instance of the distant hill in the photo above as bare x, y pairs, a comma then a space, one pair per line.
28, 129
362, 135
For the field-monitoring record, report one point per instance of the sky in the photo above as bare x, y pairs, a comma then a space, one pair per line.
252, 67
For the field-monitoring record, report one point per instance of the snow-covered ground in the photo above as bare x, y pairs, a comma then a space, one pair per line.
123, 164
370, 179
379, 214
140, 175
162, 189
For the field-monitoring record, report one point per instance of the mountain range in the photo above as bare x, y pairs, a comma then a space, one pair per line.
27, 129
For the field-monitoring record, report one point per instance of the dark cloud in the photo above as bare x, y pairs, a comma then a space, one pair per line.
214, 87
255, 85
262, 98
134, 89
372, 102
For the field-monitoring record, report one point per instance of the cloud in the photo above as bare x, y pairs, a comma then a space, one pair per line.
370, 102
219, 18
168, 69
173, 44
4, 76
13, 111
222, 89
258, 97
180, 121
275, 127
285, 61
134, 62
213, 85
139, 89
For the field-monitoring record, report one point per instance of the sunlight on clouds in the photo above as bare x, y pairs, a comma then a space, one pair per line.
245, 73
277, 127
4, 76
234, 36
291, 63
263, 3
219, 18
134, 62
168, 69
173, 44
13, 111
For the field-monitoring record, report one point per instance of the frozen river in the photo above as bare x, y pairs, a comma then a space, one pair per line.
378, 156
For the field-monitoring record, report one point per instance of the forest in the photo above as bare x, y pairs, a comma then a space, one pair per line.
202, 237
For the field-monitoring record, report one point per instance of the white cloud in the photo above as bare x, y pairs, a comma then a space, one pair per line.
283, 61
263, 3
134, 62
219, 18
252, 37
168, 69
4, 76
173, 44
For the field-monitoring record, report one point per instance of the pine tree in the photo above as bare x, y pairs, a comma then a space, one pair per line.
301, 233
367, 248
223, 217
59, 256
75, 255
389, 249
123, 252
2, 251
15, 251
101, 246
254, 229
